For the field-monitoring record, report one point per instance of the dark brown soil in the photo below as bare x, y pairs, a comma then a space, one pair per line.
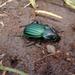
32, 59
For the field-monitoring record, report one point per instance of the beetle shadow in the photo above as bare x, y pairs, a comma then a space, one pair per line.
40, 41
33, 41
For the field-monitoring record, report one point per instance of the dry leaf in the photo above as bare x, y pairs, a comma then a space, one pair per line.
70, 3
33, 3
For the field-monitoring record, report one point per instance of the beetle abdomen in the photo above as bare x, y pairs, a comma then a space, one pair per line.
34, 30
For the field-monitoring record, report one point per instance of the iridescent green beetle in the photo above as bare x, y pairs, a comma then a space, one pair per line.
37, 30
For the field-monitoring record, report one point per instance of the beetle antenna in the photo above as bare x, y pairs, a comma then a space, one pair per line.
22, 26
30, 44
35, 21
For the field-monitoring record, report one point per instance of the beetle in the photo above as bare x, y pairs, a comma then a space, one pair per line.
36, 30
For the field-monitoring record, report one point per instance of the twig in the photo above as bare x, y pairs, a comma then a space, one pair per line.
2, 56
5, 3
33, 3
3, 15
70, 3
4, 73
27, 5
12, 70
46, 13
2, 24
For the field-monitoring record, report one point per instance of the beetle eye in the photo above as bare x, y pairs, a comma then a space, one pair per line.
56, 38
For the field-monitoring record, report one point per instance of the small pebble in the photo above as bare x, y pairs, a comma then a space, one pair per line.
43, 51
51, 49
58, 51
68, 59
67, 53
38, 45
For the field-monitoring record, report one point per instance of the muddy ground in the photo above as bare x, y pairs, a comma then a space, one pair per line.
33, 59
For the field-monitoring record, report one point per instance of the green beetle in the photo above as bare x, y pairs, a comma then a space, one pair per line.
37, 30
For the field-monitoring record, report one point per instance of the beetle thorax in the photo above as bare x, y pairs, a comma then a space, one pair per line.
47, 33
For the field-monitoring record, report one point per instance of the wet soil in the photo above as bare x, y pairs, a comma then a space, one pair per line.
32, 59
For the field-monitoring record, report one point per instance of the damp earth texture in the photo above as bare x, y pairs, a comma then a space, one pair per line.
47, 58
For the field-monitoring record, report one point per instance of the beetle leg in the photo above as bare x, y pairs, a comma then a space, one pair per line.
53, 29
30, 44
35, 21
34, 43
